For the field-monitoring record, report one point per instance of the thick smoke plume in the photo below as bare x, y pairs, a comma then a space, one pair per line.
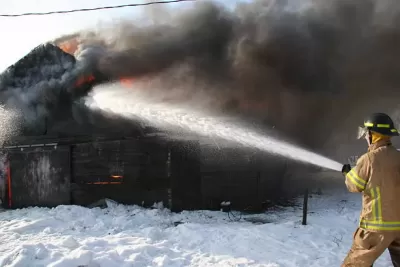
311, 72
37, 87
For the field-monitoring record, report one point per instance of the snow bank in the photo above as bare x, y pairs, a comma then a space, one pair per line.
72, 236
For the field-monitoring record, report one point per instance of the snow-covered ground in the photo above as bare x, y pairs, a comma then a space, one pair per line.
71, 236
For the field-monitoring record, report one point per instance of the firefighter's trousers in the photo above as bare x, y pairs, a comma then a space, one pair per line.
368, 246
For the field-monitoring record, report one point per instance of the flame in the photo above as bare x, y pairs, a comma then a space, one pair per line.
127, 81
69, 46
116, 176
84, 79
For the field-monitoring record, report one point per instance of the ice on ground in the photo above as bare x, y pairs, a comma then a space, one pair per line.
122, 236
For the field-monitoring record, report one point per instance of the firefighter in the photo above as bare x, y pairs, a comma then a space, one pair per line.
377, 177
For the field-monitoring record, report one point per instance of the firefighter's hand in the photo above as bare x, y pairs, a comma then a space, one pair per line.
346, 168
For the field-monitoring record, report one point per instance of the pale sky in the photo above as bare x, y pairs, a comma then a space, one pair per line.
21, 34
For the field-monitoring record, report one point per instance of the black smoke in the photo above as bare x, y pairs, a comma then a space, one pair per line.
310, 71
42, 92
38, 84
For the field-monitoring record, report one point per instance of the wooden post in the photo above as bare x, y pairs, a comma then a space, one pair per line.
305, 206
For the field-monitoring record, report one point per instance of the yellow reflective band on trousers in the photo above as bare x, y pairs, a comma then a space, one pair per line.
355, 179
377, 222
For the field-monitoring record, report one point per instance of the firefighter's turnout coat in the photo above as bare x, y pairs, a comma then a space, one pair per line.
377, 176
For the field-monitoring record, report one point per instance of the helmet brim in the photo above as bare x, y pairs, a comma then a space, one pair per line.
363, 130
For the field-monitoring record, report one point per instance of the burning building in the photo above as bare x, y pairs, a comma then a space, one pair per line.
65, 153
308, 74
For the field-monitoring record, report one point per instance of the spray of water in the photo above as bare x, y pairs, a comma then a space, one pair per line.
10, 120
135, 104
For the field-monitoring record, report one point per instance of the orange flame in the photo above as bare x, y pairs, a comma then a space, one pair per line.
84, 79
127, 81
69, 46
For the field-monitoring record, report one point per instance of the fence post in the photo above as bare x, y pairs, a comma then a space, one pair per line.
305, 206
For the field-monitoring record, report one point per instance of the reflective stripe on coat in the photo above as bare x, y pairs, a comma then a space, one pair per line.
377, 176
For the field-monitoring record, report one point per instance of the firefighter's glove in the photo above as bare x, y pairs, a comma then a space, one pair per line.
346, 168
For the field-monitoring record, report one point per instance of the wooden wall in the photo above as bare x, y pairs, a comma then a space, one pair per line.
247, 178
40, 177
127, 171
183, 175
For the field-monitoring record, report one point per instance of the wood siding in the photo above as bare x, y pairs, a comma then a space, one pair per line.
40, 177
183, 175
